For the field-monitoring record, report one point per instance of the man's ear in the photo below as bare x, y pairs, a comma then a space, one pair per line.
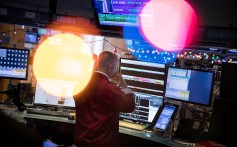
110, 66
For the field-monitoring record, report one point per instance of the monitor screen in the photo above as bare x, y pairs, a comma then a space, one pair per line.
146, 79
43, 31
30, 37
115, 14
165, 117
64, 90
189, 85
14, 63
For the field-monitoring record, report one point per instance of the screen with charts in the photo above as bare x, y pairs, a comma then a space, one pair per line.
119, 12
146, 80
114, 15
190, 85
14, 63
64, 91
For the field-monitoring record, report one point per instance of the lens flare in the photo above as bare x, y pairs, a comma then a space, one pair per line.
168, 24
63, 57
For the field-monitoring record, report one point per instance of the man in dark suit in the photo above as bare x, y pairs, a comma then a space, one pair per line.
99, 104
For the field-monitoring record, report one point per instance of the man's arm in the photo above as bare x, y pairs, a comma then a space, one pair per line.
124, 97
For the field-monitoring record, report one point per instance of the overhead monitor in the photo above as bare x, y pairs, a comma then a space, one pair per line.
146, 79
189, 85
14, 63
64, 95
115, 14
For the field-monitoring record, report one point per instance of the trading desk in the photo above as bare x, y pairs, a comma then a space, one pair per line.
61, 130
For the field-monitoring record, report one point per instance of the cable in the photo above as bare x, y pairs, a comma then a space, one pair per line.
116, 46
200, 117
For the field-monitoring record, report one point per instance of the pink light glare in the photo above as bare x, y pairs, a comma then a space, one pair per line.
168, 24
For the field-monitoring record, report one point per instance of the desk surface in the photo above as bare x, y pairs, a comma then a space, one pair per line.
151, 136
48, 117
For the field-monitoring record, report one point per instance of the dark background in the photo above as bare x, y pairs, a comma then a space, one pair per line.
217, 18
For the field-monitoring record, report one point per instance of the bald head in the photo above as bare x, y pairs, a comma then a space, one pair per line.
107, 62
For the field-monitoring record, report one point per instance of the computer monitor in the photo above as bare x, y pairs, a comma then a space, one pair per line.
64, 95
146, 79
14, 63
189, 85
114, 15
30, 37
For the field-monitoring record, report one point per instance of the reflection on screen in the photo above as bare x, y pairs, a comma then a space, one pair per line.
165, 117
193, 86
64, 95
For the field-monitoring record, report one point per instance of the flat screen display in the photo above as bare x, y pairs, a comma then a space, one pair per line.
114, 15
165, 117
31, 38
64, 90
146, 80
14, 63
189, 85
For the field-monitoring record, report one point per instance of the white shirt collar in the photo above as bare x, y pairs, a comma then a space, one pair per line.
103, 74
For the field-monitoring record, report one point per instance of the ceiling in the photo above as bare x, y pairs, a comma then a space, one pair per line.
221, 13
217, 18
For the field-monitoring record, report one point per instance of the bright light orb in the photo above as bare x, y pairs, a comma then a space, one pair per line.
168, 24
63, 57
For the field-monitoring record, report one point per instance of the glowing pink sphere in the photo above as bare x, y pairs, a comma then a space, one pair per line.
168, 24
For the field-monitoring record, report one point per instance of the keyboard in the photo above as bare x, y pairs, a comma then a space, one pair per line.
131, 125
48, 112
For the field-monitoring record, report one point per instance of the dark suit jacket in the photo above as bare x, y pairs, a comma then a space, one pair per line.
97, 112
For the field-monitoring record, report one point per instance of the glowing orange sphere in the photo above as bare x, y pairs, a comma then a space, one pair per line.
65, 58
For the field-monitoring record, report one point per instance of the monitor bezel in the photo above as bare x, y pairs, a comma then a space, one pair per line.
209, 104
27, 67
